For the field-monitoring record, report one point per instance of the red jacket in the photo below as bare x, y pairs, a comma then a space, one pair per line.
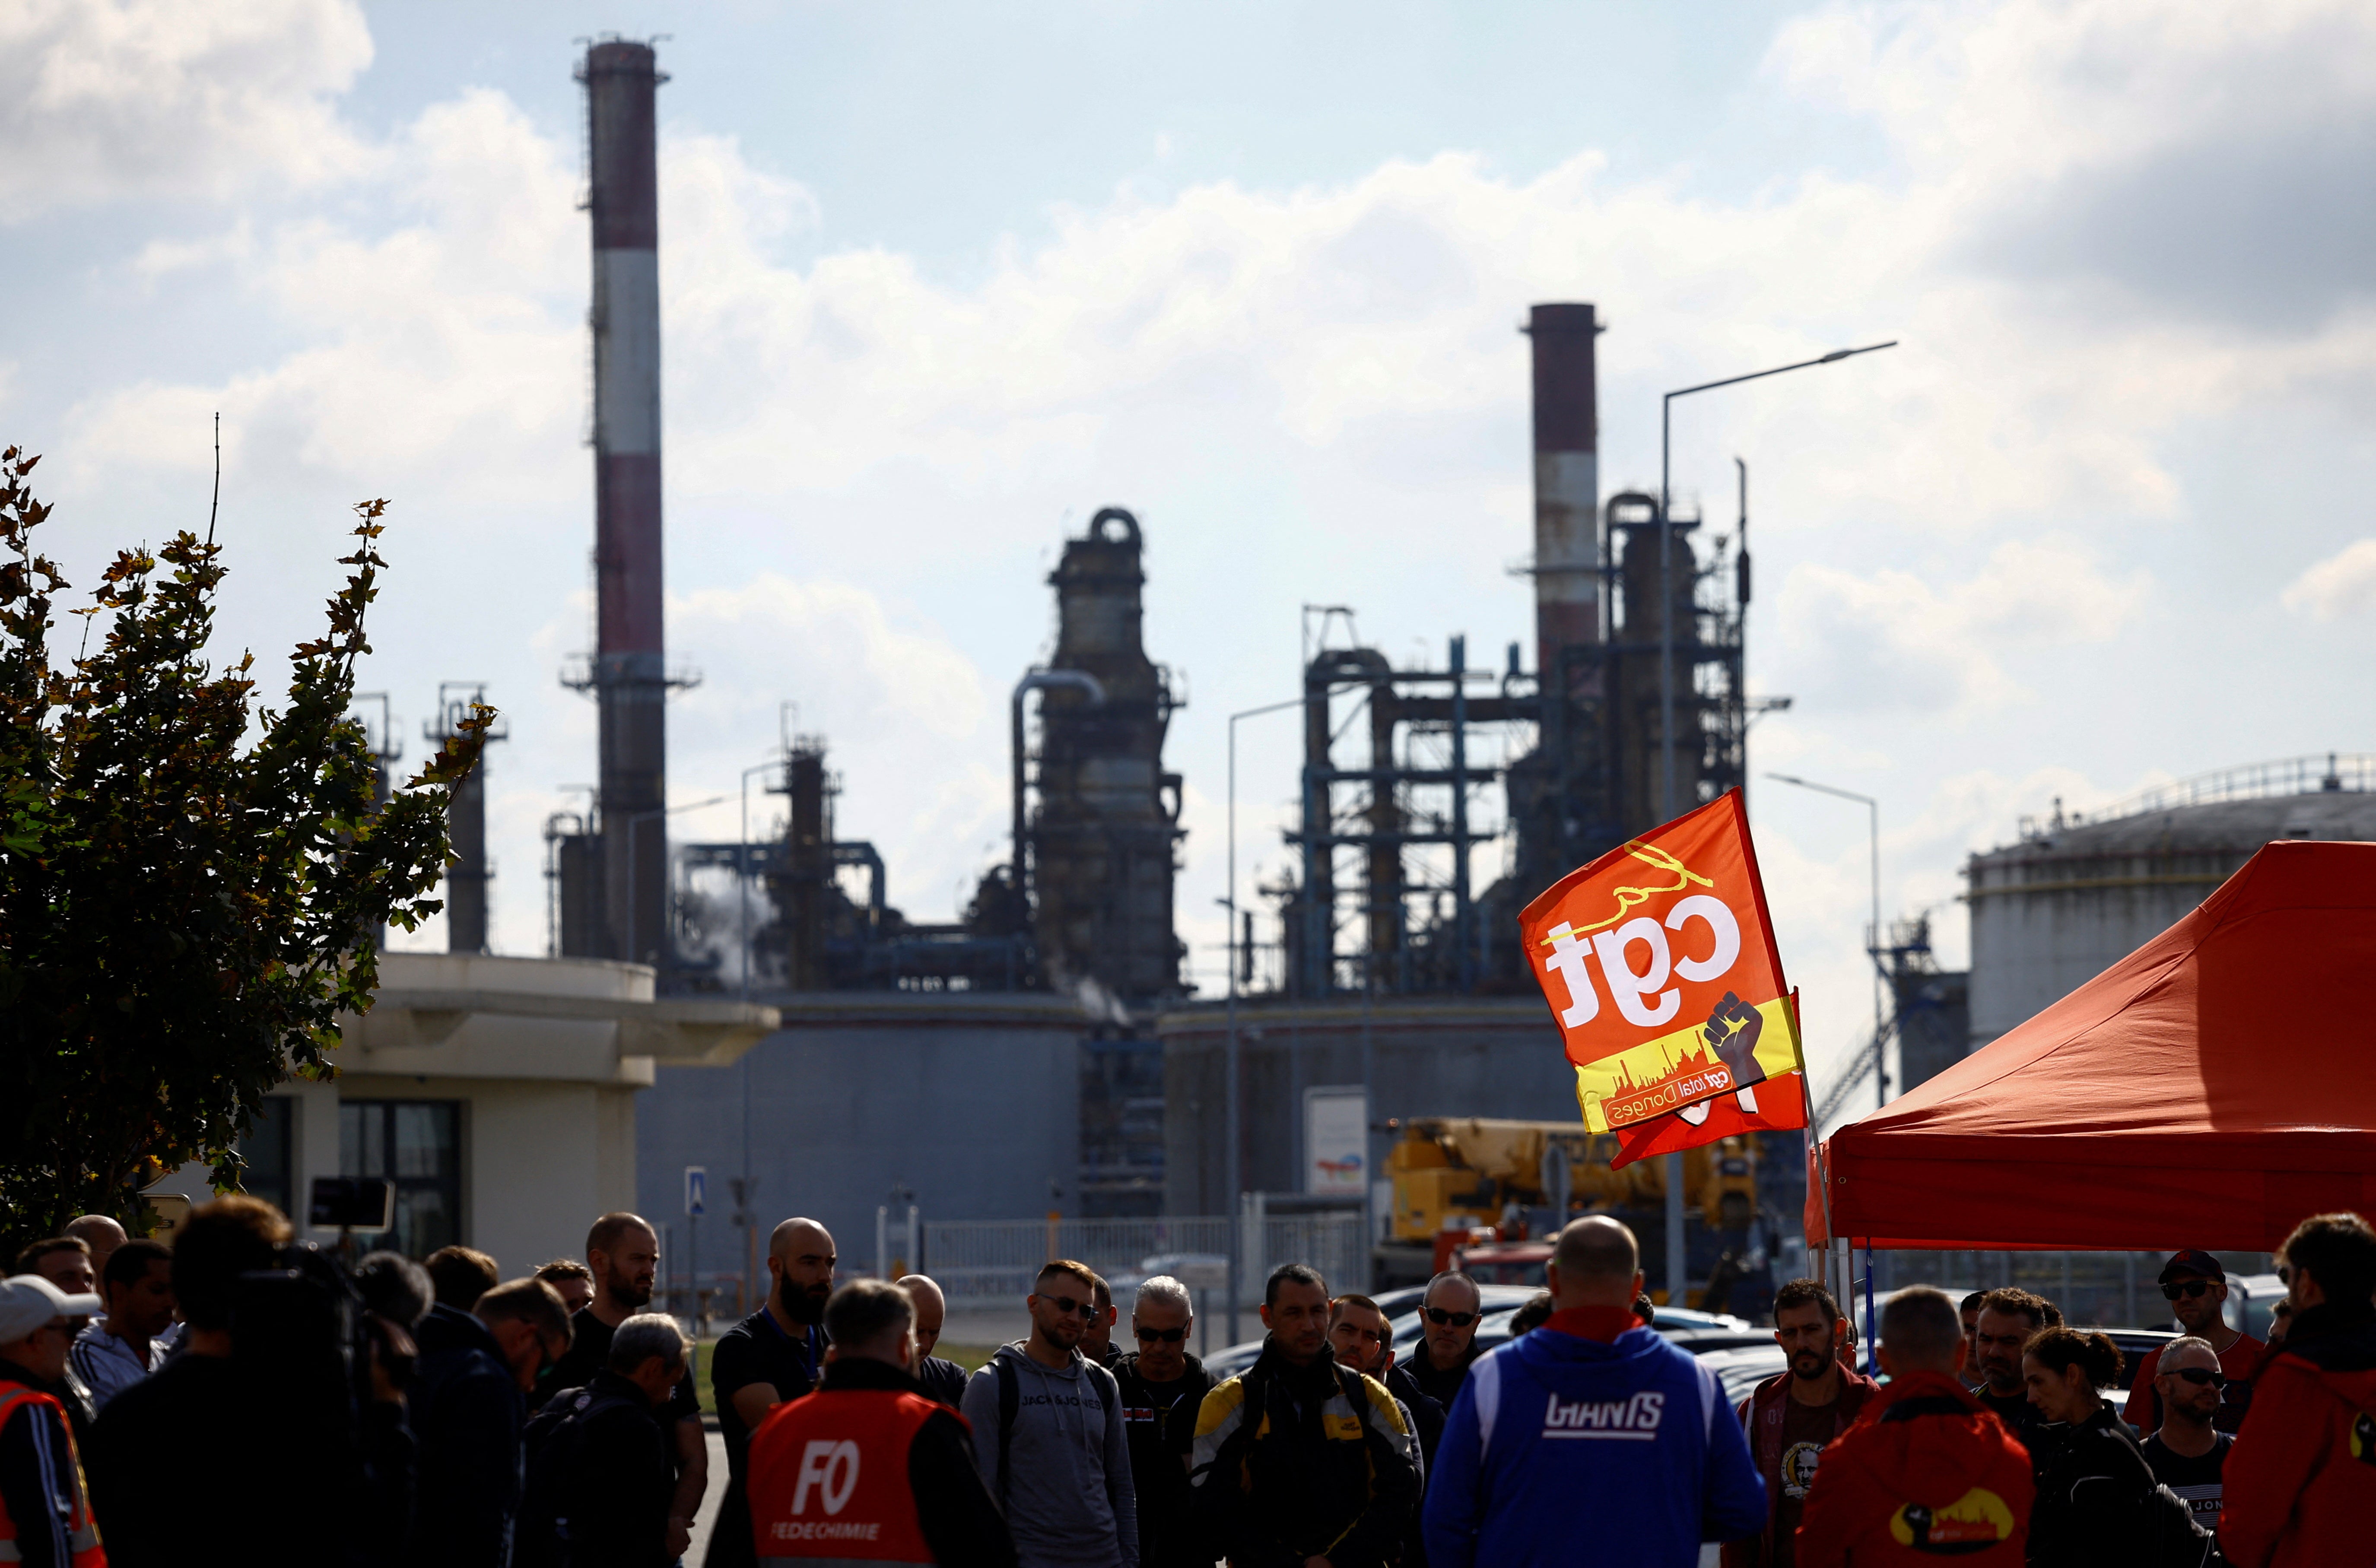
1924, 1468
2301, 1479
1761, 1417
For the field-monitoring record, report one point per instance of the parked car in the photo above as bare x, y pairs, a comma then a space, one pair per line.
2253, 1303
1697, 1332
1742, 1368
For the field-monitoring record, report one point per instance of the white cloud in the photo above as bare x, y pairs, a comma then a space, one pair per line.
1889, 638
106, 99
1342, 355
2342, 583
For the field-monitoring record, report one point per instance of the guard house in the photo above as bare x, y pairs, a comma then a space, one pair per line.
498, 1094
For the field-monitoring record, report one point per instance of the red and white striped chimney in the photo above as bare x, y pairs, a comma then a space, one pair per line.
1567, 483
630, 655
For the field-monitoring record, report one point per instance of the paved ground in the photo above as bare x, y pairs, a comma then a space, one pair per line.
707, 1517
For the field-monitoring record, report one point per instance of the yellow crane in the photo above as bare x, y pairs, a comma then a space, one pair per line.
1464, 1173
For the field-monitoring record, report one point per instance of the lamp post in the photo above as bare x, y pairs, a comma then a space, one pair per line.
1666, 553
1873, 809
634, 825
743, 892
1235, 1176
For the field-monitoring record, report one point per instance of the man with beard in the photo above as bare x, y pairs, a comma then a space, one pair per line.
623, 1253
2301, 1486
1048, 1432
769, 1358
2008, 1318
1790, 1417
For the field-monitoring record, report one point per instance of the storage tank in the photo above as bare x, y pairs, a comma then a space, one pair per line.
2076, 895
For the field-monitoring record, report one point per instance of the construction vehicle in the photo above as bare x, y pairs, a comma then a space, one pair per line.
1467, 1182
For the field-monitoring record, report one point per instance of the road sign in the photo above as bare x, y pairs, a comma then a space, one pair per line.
697, 1191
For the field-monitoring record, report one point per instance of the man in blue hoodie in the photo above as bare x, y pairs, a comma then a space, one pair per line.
1592, 1439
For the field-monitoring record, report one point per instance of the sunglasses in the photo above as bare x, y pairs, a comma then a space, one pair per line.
1439, 1317
2201, 1377
1066, 1304
1166, 1336
2190, 1289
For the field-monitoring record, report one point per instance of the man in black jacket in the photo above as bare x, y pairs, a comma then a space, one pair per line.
1162, 1388
1364, 1340
1447, 1347
871, 1456
601, 1482
942, 1378
1299, 1458
467, 1412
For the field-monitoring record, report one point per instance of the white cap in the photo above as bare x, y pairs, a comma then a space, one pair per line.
29, 1301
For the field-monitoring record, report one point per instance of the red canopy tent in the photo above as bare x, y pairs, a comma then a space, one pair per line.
2209, 1090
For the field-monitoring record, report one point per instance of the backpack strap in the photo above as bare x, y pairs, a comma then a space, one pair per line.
1010, 1398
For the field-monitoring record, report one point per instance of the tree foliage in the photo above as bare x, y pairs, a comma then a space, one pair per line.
192, 890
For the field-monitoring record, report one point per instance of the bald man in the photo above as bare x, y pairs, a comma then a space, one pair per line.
944, 1380
100, 1234
771, 1357
1591, 1439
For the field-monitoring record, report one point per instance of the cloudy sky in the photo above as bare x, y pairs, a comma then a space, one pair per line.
940, 281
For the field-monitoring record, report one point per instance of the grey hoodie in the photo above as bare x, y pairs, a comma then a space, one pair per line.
1068, 1498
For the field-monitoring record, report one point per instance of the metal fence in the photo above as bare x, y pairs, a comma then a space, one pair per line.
2112, 1289
998, 1259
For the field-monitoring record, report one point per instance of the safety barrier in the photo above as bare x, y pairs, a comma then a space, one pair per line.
978, 1259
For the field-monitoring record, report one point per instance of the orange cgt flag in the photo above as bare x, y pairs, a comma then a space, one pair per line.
1658, 963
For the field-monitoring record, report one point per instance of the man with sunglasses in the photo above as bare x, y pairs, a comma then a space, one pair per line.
1440, 1361
2195, 1284
2186, 1455
1048, 1434
44, 1511
476, 1366
1162, 1387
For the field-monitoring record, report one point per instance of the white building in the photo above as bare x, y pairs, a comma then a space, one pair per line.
498, 1094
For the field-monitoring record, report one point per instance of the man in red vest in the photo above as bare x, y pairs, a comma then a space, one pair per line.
1791, 1417
869, 1467
44, 1513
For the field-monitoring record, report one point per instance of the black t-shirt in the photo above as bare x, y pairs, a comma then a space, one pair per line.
2019, 1416
758, 1350
2195, 1479
589, 1352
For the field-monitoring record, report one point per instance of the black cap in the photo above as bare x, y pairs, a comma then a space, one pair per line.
2193, 1260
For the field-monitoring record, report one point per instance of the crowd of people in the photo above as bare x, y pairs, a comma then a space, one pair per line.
231, 1399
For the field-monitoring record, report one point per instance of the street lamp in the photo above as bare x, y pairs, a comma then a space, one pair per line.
1880, 1078
634, 824
743, 891
1666, 553
1235, 1174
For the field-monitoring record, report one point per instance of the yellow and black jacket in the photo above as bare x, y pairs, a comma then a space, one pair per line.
1298, 1462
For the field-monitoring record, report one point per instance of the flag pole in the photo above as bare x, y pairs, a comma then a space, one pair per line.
1815, 1132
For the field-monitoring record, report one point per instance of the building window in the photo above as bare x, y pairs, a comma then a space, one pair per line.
267, 1153
417, 1146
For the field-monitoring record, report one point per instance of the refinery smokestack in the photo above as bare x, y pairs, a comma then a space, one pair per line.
629, 672
1567, 483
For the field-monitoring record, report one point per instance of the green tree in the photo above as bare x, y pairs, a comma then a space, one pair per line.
192, 890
